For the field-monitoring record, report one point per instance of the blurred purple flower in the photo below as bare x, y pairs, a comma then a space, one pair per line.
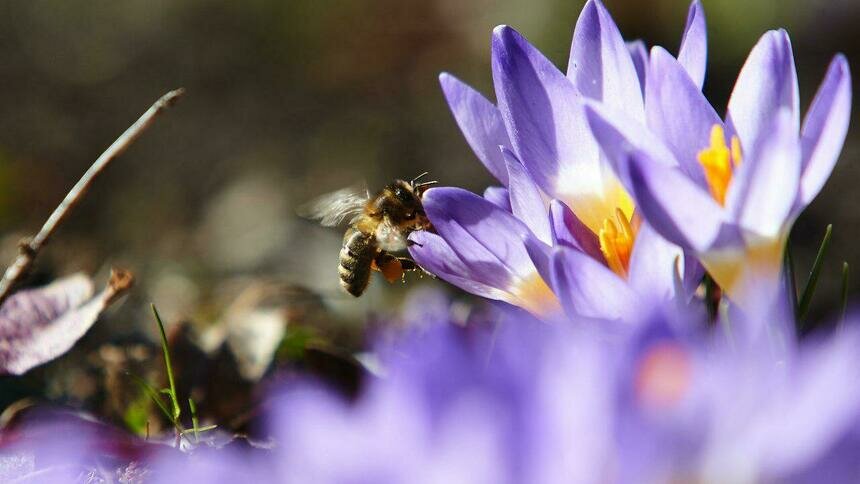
529, 402
42, 445
562, 230
729, 192
538, 403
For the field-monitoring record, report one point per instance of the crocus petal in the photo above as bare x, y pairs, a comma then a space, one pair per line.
541, 255
824, 129
570, 231
830, 369
480, 122
675, 206
600, 64
619, 135
482, 234
767, 83
526, 201
434, 255
693, 54
654, 265
540, 109
765, 186
639, 54
589, 289
678, 112
499, 197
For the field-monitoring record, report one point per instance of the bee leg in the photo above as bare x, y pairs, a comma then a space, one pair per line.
410, 243
409, 265
389, 265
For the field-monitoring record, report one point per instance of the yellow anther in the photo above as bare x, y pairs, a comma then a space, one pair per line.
719, 163
616, 242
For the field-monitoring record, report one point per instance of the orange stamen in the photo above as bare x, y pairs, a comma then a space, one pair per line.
719, 162
616, 242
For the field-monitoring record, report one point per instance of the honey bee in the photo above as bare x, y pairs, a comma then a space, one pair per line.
378, 226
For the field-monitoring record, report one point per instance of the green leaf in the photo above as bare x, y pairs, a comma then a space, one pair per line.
293, 344
153, 395
136, 415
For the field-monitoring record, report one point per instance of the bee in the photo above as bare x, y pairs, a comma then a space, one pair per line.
378, 226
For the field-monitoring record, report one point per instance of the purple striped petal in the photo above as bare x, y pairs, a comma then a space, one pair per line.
569, 231
541, 255
619, 135
675, 206
693, 54
526, 201
767, 83
653, 270
589, 289
824, 129
540, 109
600, 64
499, 197
765, 186
480, 122
484, 236
678, 112
432, 253
639, 54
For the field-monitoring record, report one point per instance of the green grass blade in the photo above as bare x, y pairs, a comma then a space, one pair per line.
205, 428
790, 276
195, 424
812, 280
177, 410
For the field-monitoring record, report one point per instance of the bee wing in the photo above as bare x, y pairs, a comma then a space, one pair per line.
337, 207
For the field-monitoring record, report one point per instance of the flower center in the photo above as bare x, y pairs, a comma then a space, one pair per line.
616, 239
719, 162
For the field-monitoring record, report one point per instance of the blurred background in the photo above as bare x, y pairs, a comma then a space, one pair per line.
287, 100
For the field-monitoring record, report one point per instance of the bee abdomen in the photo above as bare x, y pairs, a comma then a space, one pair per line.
356, 257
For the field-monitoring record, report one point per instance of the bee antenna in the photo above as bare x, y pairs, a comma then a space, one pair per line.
426, 184
418, 178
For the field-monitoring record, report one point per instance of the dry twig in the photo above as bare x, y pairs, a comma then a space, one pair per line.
29, 248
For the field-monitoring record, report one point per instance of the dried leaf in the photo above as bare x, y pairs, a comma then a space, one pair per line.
38, 325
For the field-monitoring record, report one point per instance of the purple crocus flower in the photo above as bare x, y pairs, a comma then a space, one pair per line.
563, 227
717, 409
529, 402
729, 190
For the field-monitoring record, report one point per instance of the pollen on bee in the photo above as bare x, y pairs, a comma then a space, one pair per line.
391, 269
